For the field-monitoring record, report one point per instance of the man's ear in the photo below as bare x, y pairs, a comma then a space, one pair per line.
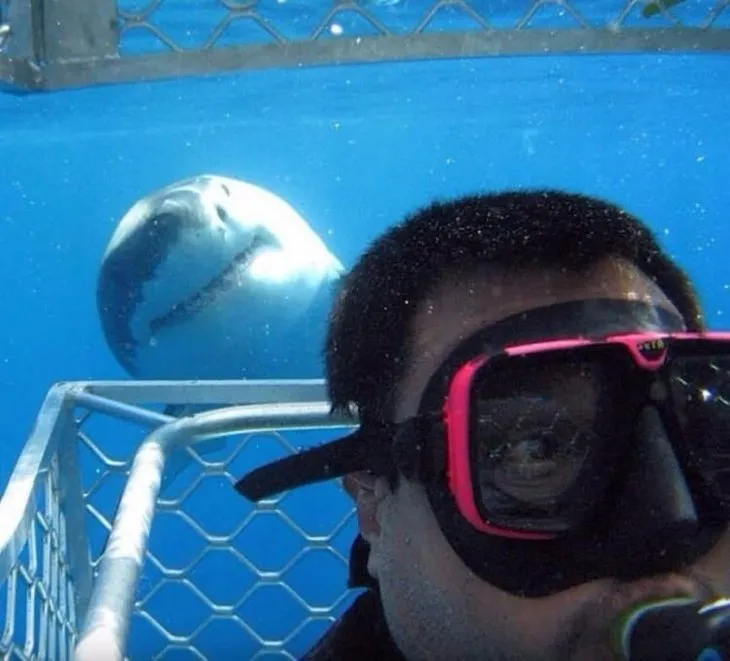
361, 488
357, 482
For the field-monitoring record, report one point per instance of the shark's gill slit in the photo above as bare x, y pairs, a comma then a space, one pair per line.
196, 301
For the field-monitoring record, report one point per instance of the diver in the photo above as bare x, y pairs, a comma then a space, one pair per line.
542, 465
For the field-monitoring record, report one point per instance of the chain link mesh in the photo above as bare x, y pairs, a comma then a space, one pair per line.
263, 581
37, 600
147, 27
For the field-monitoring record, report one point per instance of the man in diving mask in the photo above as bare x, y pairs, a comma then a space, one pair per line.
542, 465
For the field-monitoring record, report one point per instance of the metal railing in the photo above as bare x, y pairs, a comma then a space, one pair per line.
82, 574
51, 44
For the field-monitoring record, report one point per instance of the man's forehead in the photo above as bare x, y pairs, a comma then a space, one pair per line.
461, 304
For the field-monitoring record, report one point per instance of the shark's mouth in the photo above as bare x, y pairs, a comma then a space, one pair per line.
227, 278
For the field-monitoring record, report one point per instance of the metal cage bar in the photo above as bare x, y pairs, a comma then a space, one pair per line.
53, 44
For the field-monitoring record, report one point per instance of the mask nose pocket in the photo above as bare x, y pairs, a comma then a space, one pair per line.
654, 503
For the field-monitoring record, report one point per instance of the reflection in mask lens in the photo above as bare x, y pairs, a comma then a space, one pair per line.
701, 399
530, 449
534, 432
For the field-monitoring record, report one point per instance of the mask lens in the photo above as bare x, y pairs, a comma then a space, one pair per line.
538, 427
700, 389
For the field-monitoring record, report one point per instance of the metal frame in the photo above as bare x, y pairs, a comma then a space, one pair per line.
54, 44
104, 605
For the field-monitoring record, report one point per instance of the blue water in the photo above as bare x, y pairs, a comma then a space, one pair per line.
353, 149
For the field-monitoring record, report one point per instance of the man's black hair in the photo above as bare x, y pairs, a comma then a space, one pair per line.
367, 342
